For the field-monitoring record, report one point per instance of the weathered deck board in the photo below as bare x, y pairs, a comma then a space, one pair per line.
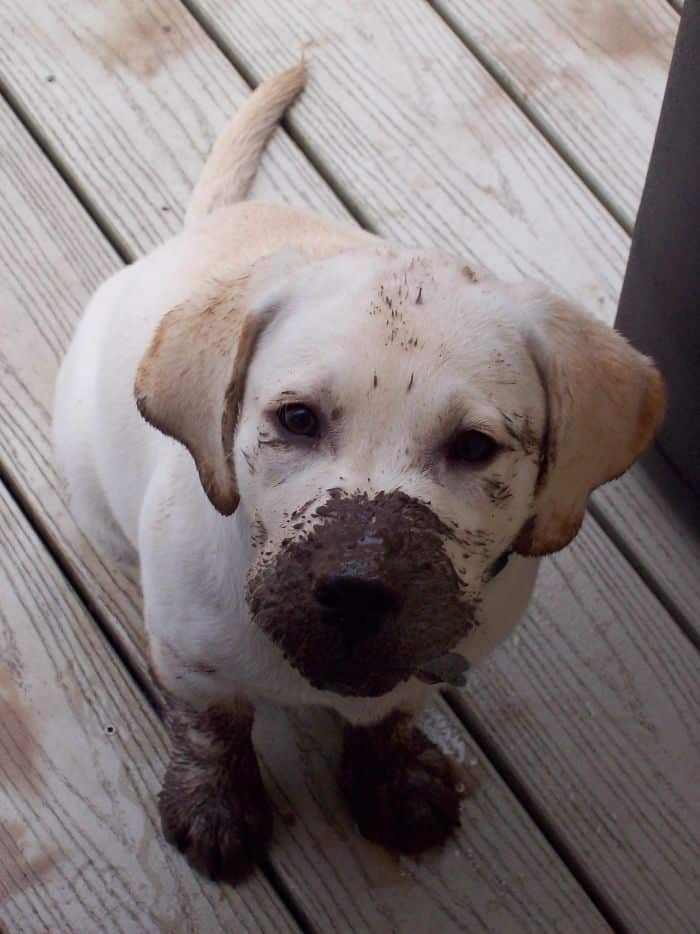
53, 258
327, 864
592, 75
80, 757
130, 95
416, 132
658, 520
595, 703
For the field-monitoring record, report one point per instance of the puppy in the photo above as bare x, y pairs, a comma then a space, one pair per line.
336, 461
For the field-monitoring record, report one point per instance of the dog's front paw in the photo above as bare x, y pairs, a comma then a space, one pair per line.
404, 792
221, 822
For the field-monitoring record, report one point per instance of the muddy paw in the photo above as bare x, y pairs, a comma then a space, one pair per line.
221, 823
403, 791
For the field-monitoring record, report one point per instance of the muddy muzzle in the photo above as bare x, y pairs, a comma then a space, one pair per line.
365, 597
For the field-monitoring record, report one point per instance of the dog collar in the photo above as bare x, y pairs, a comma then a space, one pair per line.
500, 563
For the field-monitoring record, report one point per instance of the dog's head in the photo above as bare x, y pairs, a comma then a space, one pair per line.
392, 424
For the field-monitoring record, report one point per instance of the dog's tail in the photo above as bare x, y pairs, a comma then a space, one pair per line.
233, 161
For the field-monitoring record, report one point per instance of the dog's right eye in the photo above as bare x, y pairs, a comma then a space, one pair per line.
298, 419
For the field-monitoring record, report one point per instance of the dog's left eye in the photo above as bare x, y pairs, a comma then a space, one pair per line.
298, 419
472, 447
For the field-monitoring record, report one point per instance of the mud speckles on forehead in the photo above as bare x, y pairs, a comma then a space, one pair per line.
398, 294
501, 371
406, 294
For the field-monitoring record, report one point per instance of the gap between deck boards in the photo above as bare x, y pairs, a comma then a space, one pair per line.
637, 561
107, 230
559, 146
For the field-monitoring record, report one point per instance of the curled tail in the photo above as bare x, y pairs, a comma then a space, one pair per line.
233, 161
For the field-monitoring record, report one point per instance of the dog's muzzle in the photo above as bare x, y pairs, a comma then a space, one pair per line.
364, 599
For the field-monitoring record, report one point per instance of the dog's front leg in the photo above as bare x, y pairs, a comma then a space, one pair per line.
403, 791
213, 805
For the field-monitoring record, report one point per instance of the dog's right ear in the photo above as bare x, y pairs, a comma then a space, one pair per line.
191, 380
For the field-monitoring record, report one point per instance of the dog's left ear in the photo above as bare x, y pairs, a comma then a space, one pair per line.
191, 380
605, 401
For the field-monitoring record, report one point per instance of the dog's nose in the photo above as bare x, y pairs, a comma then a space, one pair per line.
358, 604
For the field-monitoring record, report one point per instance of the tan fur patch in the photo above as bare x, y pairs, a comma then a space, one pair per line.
652, 408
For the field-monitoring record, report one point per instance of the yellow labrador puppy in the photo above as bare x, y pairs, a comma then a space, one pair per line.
336, 460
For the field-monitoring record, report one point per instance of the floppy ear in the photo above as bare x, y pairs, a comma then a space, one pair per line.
605, 402
191, 380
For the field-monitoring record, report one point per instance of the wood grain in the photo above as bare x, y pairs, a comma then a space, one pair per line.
130, 96
53, 258
657, 519
592, 75
80, 764
595, 704
326, 864
415, 131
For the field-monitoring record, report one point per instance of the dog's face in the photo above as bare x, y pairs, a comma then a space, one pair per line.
386, 454
400, 423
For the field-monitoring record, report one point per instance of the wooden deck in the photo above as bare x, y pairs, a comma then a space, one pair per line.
516, 134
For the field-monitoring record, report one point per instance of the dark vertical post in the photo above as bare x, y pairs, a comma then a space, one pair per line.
660, 304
